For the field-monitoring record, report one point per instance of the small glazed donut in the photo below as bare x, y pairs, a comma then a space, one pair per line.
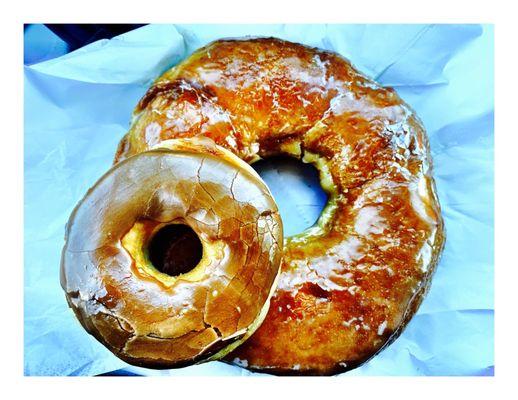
351, 283
146, 305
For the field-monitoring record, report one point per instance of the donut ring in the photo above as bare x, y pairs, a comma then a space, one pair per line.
143, 315
351, 283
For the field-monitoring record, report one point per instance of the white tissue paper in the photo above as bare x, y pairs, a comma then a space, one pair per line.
78, 106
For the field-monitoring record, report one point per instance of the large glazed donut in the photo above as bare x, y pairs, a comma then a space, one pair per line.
351, 283
157, 313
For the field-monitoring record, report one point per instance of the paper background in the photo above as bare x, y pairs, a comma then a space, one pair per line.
78, 106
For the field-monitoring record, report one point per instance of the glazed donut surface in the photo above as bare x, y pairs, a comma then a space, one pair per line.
150, 318
350, 284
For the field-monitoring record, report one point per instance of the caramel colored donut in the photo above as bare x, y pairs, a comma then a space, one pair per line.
351, 283
150, 318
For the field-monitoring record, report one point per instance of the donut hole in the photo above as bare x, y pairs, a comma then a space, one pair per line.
175, 249
295, 185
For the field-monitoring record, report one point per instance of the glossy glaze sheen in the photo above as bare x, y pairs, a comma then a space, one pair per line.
350, 284
148, 318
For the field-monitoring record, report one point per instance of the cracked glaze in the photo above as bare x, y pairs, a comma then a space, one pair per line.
351, 283
151, 319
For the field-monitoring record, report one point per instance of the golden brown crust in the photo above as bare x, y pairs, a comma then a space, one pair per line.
350, 284
143, 316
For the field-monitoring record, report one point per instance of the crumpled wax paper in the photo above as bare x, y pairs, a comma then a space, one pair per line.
78, 106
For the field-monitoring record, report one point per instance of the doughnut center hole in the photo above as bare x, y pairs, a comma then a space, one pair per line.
296, 188
175, 249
